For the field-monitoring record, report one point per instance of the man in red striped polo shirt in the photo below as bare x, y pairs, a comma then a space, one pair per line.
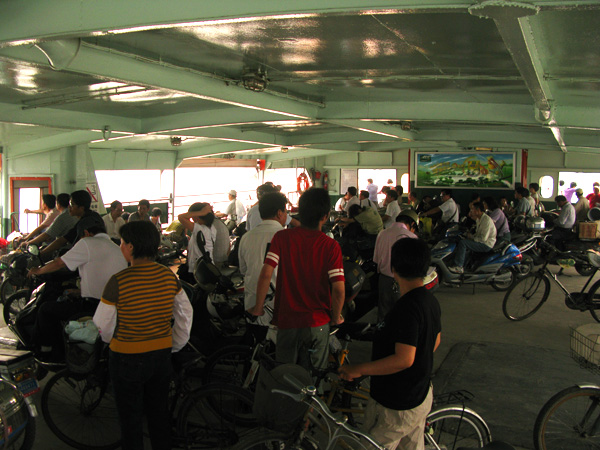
309, 294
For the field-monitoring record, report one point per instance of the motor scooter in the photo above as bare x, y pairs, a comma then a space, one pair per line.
499, 267
18, 385
577, 247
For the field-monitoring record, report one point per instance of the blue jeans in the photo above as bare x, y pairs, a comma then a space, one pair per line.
141, 385
468, 244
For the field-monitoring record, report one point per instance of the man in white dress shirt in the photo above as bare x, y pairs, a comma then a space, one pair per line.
563, 225
252, 250
351, 198
392, 208
481, 242
113, 221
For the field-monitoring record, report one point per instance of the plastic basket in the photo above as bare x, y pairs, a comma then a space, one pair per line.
585, 347
80, 356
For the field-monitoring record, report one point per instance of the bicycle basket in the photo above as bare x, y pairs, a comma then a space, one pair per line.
82, 356
585, 346
277, 411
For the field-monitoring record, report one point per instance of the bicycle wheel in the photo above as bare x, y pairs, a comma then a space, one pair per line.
569, 420
81, 411
584, 269
229, 364
215, 416
593, 301
8, 288
14, 305
526, 296
454, 426
272, 440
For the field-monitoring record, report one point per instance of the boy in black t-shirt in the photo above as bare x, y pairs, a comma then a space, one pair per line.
402, 359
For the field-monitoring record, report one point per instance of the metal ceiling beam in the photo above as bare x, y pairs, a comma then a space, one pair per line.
127, 68
65, 119
235, 134
50, 143
296, 154
434, 111
486, 138
216, 149
338, 146
333, 137
379, 129
228, 115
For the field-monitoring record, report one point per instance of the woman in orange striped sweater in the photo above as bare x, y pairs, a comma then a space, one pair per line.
134, 316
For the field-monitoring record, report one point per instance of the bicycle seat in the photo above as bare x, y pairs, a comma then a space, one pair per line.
594, 258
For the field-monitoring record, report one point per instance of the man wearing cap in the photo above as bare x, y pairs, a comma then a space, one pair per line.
582, 206
405, 226
235, 210
97, 258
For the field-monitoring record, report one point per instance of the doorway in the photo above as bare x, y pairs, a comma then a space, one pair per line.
26, 193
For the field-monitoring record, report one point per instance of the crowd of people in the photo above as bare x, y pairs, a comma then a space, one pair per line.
293, 278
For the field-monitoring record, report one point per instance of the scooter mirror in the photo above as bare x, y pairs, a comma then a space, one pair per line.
33, 249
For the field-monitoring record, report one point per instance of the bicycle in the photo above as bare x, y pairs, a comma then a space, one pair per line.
528, 294
240, 365
571, 418
80, 410
320, 428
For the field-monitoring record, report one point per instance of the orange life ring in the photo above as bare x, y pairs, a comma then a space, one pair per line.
302, 182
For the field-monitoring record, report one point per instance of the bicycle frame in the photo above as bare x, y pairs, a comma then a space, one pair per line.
544, 271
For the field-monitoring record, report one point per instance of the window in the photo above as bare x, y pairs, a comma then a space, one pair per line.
404, 183
568, 181
546, 186
29, 198
380, 177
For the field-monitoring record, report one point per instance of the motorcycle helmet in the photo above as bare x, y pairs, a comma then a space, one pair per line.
224, 307
206, 275
594, 214
411, 214
15, 410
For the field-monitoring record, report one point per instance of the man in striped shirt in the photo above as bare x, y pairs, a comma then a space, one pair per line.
309, 294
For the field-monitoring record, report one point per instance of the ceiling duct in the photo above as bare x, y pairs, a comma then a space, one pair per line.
60, 53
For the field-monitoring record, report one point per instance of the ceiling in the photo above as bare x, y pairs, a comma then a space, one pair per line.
338, 76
